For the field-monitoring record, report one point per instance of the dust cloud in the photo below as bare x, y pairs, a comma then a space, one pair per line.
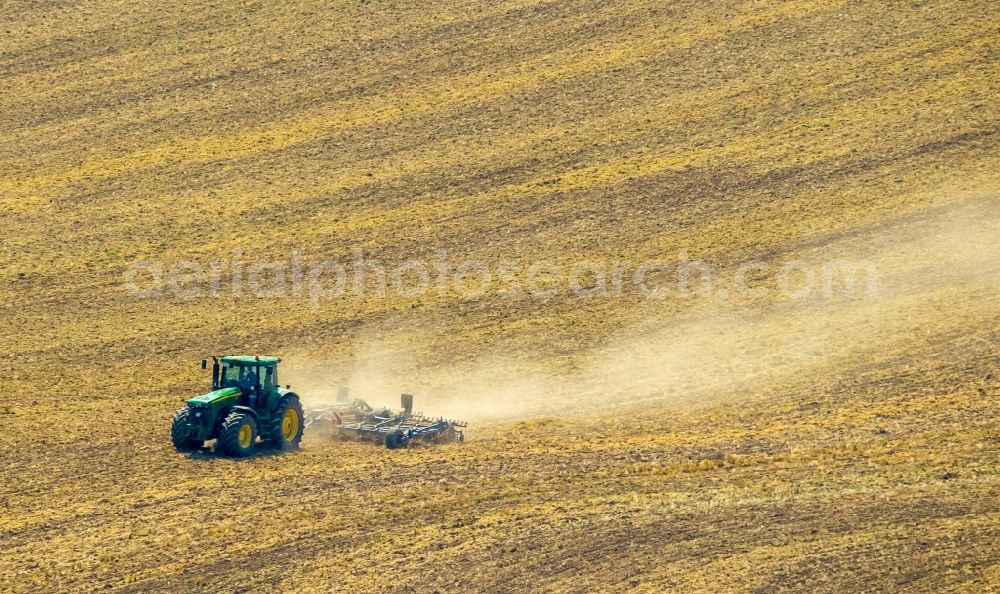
937, 270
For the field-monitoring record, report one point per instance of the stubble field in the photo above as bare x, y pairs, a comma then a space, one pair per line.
690, 442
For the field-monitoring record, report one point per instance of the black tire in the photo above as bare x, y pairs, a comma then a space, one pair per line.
230, 441
179, 433
395, 441
285, 434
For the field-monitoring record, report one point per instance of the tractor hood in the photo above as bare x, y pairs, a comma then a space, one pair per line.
216, 397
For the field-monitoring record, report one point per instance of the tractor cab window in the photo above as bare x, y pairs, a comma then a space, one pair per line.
268, 378
235, 376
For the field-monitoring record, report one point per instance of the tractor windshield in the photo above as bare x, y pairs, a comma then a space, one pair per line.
246, 377
237, 376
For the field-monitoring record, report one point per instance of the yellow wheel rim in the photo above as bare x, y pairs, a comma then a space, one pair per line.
246, 434
290, 424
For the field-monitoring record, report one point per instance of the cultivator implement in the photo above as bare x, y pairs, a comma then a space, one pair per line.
356, 419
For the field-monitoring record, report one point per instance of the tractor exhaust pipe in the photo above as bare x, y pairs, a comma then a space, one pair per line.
216, 380
406, 401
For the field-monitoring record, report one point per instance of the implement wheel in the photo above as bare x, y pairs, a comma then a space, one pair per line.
286, 428
179, 432
395, 440
238, 434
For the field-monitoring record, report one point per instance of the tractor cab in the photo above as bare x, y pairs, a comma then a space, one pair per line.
254, 376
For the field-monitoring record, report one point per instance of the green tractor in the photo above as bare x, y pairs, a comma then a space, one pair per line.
245, 403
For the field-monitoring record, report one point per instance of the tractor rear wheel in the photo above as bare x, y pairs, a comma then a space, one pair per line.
179, 432
286, 428
238, 434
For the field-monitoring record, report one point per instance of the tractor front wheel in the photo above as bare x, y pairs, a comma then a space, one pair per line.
238, 434
179, 432
286, 424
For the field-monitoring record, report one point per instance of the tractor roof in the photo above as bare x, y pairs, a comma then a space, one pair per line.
249, 360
